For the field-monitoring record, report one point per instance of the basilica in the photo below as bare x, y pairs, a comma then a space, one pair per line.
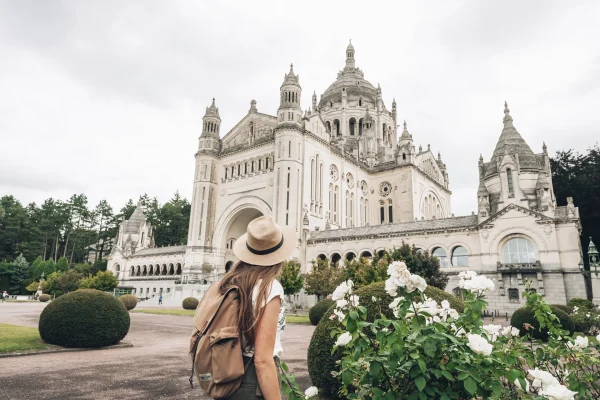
346, 174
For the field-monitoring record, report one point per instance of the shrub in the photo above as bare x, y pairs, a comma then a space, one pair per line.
316, 312
190, 303
44, 298
84, 318
320, 359
526, 315
562, 307
582, 304
129, 301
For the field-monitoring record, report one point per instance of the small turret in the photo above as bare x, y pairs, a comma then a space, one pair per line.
253, 109
290, 92
350, 56
314, 102
211, 127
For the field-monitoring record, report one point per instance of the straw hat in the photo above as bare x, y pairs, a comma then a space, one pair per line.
265, 243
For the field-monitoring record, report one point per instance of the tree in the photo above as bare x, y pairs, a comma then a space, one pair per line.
323, 278
291, 280
578, 176
362, 272
20, 271
418, 262
35, 265
62, 264
68, 281
104, 281
83, 268
33, 286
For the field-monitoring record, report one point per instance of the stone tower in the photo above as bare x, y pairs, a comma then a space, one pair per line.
205, 182
288, 154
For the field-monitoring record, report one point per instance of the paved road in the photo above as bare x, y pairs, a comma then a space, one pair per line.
157, 367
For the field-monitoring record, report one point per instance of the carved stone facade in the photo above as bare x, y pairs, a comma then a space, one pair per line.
351, 184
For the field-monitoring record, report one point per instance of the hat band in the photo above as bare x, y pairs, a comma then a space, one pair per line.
267, 251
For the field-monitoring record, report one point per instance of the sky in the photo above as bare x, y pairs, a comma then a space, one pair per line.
107, 98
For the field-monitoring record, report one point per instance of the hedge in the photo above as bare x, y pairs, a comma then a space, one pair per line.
563, 308
582, 304
129, 301
316, 312
190, 303
44, 297
84, 318
320, 359
525, 315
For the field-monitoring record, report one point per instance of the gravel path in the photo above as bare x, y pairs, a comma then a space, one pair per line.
157, 367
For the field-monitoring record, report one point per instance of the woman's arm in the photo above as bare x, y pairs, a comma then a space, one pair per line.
266, 330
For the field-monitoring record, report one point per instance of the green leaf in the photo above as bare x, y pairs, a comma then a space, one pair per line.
347, 377
422, 365
420, 382
470, 385
462, 376
375, 369
447, 375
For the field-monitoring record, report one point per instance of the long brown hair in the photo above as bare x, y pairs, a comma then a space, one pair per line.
245, 277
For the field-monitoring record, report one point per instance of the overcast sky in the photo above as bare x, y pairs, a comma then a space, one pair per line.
106, 98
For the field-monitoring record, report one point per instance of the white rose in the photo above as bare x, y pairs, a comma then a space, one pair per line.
587, 315
515, 331
445, 304
558, 392
344, 288
341, 303
415, 282
340, 315
452, 313
385, 330
373, 299
598, 337
391, 288
354, 300
396, 303
478, 284
467, 274
311, 392
492, 331
479, 345
542, 379
343, 339
581, 342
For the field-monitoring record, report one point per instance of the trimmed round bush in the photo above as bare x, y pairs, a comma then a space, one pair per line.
84, 318
525, 315
582, 304
44, 297
129, 301
190, 303
320, 360
563, 308
316, 312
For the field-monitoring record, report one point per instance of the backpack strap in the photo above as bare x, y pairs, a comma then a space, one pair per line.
200, 334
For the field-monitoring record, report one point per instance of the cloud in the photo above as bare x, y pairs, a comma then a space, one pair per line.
107, 97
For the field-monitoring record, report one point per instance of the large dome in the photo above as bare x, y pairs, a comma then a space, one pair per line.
352, 80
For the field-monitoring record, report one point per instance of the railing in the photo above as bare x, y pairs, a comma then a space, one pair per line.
519, 267
154, 278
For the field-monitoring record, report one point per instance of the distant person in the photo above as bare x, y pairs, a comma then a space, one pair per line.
160, 300
4, 296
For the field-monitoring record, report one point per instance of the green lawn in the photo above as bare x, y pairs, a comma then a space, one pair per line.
290, 319
19, 338
166, 311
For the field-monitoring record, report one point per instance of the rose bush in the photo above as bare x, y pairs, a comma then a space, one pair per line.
431, 351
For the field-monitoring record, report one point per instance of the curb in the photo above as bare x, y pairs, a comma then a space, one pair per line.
65, 350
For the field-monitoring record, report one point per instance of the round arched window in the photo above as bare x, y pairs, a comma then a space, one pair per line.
441, 255
460, 257
518, 250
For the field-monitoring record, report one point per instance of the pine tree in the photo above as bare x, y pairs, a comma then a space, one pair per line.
62, 264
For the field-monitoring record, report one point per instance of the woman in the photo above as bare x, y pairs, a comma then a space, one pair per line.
261, 252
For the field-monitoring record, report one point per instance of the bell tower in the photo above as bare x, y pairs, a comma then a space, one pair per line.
290, 111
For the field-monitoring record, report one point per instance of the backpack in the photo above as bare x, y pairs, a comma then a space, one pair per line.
215, 345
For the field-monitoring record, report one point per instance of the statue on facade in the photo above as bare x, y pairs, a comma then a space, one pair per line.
570, 207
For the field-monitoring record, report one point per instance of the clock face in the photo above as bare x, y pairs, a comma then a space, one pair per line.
364, 188
334, 173
349, 180
385, 188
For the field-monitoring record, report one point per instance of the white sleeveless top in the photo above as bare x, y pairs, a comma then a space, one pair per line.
276, 291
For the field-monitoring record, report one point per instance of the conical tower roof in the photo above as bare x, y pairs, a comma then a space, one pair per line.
291, 78
135, 222
405, 135
212, 111
511, 142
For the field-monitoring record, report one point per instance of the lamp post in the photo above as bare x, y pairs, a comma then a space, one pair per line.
594, 259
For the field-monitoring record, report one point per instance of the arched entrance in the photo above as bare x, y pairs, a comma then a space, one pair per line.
228, 266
